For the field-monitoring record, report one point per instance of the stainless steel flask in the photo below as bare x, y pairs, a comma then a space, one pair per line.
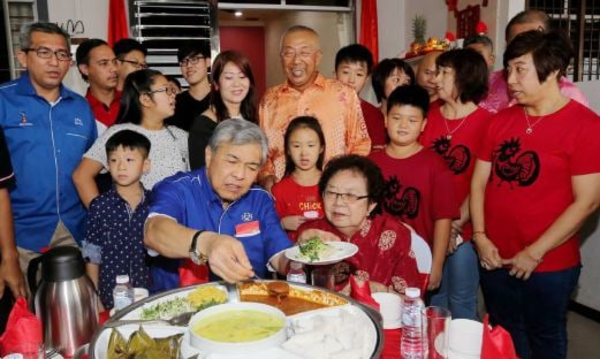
65, 300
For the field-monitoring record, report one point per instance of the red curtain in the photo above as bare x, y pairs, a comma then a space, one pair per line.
117, 22
368, 27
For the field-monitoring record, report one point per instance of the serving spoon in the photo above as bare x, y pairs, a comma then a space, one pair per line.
180, 320
278, 289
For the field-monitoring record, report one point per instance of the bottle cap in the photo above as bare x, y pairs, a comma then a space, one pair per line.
412, 292
122, 279
296, 265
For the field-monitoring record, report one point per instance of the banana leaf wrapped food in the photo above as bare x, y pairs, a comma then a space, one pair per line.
141, 346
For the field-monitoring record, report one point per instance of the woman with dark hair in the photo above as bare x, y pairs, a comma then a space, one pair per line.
297, 198
147, 100
232, 95
351, 187
536, 180
454, 131
389, 74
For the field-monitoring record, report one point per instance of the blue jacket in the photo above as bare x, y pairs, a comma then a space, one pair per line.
46, 142
190, 200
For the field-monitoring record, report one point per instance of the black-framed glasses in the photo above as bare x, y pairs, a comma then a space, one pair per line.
138, 65
46, 53
345, 197
193, 60
169, 90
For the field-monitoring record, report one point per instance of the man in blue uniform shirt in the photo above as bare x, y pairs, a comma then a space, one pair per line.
217, 214
47, 129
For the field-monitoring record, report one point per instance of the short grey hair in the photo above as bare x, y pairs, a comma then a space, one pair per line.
239, 132
45, 27
295, 29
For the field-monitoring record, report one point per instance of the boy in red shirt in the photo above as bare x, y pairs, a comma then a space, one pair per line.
353, 66
419, 187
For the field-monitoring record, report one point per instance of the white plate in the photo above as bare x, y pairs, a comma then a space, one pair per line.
342, 250
154, 331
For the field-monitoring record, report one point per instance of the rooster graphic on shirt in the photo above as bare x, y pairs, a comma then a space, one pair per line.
400, 202
457, 158
513, 167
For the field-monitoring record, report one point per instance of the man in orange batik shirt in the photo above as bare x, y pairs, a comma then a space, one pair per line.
307, 92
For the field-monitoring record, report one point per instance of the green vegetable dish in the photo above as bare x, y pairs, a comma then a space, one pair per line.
314, 249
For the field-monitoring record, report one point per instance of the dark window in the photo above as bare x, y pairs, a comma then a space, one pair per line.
580, 19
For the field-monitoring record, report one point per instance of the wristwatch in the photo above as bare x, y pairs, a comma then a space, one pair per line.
195, 255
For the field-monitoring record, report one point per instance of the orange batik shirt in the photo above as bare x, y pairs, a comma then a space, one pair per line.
334, 104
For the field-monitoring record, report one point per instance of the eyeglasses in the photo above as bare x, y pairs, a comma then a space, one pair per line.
138, 65
191, 61
105, 63
304, 54
46, 53
170, 90
345, 197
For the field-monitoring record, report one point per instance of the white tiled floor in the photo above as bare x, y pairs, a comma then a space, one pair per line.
584, 337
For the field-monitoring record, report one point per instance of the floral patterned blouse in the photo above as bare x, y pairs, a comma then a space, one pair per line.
384, 253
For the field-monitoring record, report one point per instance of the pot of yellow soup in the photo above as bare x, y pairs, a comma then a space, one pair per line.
237, 328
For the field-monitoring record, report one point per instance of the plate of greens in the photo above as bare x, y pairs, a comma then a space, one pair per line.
317, 252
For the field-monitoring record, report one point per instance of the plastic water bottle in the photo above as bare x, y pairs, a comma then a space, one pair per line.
413, 346
123, 292
296, 273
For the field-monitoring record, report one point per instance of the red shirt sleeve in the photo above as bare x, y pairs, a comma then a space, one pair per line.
586, 148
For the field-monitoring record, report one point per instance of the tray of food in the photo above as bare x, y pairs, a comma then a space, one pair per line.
260, 319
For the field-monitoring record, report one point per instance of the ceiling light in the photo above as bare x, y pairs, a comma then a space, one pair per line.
238, 14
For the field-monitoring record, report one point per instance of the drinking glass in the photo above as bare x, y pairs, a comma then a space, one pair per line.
28, 350
436, 328
322, 276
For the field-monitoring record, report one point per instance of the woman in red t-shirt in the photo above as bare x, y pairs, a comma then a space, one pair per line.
536, 180
297, 196
454, 132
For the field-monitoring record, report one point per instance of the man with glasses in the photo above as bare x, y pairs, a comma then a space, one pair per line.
307, 92
194, 59
48, 128
131, 56
97, 65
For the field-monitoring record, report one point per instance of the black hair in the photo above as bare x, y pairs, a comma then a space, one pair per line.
479, 39
248, 105
125, 46
470, 73
82, 55
384, 69
136, 83
298, 123
528, 17
45, 27
173, 79
128, 139
409, 95
550, 52
354, 53
360, 165
193, 48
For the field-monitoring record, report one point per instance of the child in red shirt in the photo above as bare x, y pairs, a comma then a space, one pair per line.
419, 187
297, 197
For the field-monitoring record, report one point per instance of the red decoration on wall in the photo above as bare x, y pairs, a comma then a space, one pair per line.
368, 27
117, 22
466, 20
452, 5
481, 28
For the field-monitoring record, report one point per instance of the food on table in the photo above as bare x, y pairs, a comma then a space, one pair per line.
238, 326
337, 334
297, 301
201, 298
315, 249
141, 345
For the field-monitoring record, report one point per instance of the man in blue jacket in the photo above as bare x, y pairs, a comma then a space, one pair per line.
48, 128
216, 214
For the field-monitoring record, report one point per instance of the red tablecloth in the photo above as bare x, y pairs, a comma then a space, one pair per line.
391, 344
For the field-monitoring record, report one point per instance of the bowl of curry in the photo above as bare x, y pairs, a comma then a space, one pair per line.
237, 328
